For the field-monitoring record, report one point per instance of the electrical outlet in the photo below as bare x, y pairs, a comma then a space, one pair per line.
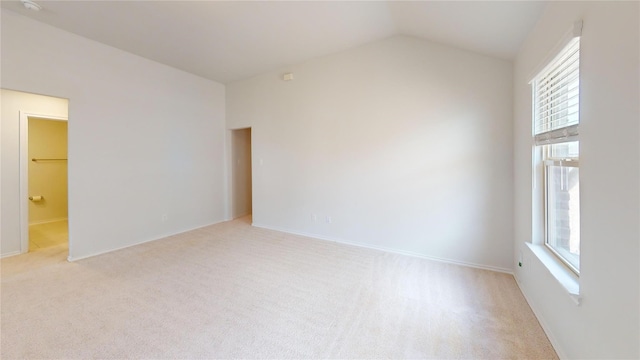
165, 217
329, 220
314, 217
520, 259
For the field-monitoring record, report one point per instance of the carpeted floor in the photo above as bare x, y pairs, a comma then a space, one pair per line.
234, 291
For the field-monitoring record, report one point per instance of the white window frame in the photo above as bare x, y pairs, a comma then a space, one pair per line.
545, 132
546, 162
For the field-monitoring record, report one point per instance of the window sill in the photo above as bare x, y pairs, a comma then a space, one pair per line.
564, 276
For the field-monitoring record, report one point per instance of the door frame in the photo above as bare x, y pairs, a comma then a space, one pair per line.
24, 173
230, 168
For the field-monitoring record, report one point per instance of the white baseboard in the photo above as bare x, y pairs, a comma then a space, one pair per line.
389, 250
47, 221
72, 259
13, 253
545, 327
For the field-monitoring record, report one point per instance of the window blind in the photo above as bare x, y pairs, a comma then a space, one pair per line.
557, 97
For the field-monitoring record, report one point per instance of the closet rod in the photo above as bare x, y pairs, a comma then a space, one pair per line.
35, 159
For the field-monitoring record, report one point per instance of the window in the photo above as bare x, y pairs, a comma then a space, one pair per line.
556, 117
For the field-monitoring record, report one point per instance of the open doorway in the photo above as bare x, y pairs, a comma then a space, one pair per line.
44, 180
241, 173
17, 107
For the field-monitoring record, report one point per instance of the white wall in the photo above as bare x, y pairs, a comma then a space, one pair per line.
12, 103
606, 324
145, 139
404, 143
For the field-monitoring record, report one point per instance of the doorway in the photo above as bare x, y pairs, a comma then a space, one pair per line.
241, 185
44, 162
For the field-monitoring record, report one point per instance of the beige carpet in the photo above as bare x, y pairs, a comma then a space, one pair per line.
234, 291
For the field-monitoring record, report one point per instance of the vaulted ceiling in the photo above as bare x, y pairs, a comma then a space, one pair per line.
231, 40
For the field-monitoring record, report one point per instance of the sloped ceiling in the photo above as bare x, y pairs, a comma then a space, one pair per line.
227, 41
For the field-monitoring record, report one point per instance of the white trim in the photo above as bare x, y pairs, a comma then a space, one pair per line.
13, 253
48, 221
72, 259
565, 277
545, 327
24, 174
385, 249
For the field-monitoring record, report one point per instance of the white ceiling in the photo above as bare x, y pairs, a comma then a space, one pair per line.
227, 41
